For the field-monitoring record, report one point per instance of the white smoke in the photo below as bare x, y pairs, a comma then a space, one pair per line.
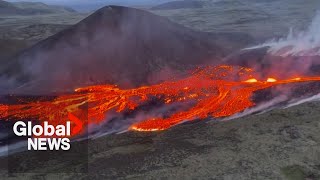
262, 108
304, 43
297, 43
301, 101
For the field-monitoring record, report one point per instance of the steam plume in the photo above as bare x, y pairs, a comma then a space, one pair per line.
305, 43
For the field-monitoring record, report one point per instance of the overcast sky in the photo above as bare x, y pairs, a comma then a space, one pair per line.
94, 4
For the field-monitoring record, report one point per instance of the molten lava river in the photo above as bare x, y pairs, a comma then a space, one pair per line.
213, 92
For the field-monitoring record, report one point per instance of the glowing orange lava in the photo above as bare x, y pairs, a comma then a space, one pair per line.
214, 91
271, 80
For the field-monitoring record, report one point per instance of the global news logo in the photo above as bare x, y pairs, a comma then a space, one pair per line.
47, 136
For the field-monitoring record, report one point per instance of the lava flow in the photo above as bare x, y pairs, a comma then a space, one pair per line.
213, 91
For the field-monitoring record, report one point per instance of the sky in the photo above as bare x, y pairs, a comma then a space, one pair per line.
89, 5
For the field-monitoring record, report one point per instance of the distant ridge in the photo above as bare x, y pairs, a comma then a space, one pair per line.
179, 5
31, 8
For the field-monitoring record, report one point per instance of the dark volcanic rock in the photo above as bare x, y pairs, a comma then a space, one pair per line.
114, 45
179, 5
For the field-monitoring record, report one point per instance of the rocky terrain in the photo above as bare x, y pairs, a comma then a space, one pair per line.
264, 20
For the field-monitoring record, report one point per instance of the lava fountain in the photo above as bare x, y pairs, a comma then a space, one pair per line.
214, 92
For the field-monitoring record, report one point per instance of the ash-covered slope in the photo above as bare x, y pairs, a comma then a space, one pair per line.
9, 47
114, 45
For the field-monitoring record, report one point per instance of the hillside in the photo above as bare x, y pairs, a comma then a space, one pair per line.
10, 47
31, 8
179, 5
118, 45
